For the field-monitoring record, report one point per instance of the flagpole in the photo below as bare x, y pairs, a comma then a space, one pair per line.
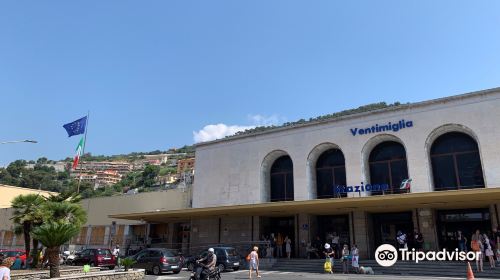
83, 150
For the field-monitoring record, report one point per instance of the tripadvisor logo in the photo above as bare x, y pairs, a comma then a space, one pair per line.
386, 255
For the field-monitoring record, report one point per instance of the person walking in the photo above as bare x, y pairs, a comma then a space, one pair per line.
336, 243
279, 246
476, 245
329, 255
488, 250
345, 259
5, 268
254, 262
355, 257
462, 241
288, 247
116, 253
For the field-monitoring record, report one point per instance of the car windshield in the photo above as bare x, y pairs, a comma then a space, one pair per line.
105, 252
168, 253
231, 252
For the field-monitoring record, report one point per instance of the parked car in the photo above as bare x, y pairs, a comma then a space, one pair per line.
14, 253
100, 257
227, 258
157, 261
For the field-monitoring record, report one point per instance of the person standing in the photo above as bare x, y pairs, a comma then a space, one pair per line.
329, 255
335, 243
288, 247
345, 259
272, 240
402, 240
462, 242
476, 245
418, 239
488, 250
254, 262
5, 269
355, 258
279, 246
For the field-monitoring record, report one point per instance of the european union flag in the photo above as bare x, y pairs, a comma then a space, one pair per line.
76, 127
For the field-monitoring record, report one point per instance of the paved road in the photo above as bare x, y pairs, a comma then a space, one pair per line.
281, 275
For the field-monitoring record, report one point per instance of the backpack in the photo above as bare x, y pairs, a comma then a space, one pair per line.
327, 266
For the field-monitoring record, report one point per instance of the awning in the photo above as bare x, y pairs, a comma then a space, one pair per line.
455, 199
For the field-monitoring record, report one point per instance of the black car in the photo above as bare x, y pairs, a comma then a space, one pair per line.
157, 261
227, 258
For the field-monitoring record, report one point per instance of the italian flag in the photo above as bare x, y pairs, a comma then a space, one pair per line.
79, 151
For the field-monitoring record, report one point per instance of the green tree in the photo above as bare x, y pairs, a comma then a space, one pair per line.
27, 215
148, 175
53, 235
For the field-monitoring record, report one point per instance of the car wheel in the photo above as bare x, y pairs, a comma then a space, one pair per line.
112, 267
190, 266
176, 271
236, 268
221, 267
92, 264
156, 270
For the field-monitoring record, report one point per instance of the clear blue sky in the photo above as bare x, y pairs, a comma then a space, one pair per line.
153, 72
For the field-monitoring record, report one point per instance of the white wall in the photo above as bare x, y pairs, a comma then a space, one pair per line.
229, 172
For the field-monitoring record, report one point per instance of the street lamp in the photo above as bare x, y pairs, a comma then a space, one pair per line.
19, 141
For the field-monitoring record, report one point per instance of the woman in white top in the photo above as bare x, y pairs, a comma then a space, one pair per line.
254, 262
488, 251
288, 247
5, 269
355, 257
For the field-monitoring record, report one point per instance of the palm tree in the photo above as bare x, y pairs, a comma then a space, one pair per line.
27, 215
52, 235
64, 212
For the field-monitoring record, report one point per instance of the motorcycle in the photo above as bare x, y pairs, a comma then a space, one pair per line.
198, 268
68, 257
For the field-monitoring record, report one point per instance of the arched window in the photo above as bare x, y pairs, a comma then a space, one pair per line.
388, 166
330, 172
282, 179
456, 163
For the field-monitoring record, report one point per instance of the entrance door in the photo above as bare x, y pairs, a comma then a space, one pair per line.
283, 225
334, 229
387, 225
465, 220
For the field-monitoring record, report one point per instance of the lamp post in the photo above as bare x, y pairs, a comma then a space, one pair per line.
19, 141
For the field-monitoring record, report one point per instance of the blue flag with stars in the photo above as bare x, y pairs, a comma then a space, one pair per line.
77, 127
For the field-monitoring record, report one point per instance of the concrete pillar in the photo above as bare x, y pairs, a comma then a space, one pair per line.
256, 228
170, 237
2, 236
361, 233
14, 239
494, 208
304, 234
427, 225
107, 235
89, 235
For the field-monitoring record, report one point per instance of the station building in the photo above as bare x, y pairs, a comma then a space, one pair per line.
344, 175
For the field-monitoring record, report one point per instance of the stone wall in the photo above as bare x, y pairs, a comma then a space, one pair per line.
43, 274
105, 275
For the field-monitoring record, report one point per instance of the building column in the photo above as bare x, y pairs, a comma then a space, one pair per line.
494, 214
107, 235
170, 236
14, 239
89, 235
359, 232
126, 235
426, 221
2, 236
303, 224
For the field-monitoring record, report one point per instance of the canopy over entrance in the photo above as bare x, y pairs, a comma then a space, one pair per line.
473, 198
